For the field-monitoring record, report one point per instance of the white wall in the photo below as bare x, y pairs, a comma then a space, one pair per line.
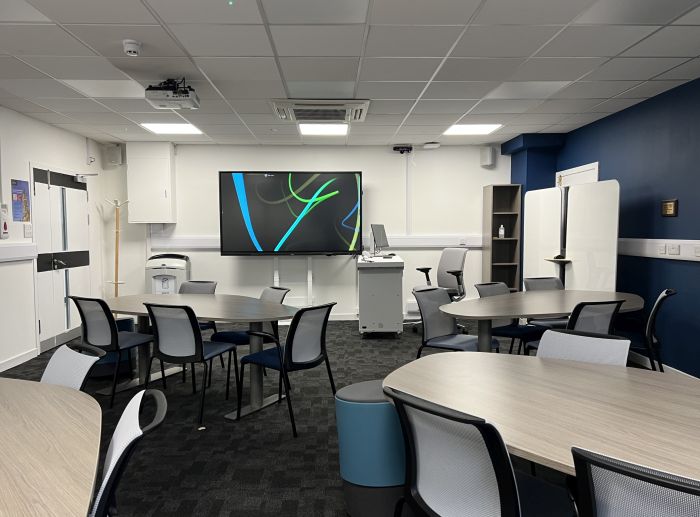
23, 141
427, 193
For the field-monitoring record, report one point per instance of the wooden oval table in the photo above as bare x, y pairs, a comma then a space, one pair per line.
228, 308
543, 407
49, 449
531, 304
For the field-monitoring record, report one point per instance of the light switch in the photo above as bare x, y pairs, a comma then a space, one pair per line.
674, 249
661, 249
28, 230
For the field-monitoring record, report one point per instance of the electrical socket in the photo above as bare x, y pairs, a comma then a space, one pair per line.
697, 251
674, 249
661, 249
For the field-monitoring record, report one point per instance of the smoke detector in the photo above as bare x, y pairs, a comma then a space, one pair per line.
132, 47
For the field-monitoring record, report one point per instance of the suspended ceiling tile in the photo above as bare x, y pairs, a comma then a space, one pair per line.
687, 71
251, 106
443, 119
631, 68
615, 105
107, 88
526, 90
398, 69
503, 40
669, 42
650, 89
251, 89
389, 90
319, 68
452, 107
571, 106
188, 11
223, 40
95, 11
108, 40
383, 107
21, 105
321, 89
592, 41
692, 18
417, 12
160, 117
52, 118
66, 67
459, 89
315, 11
236, 68
19, 11
651, 12
318, 40
31, 88
211, 118
216, 130
155, 69
594, 89
476, 69
556, 68
532, 12
129, 105
11, 68
41, 39
98, 118
504, 106
72, 105
421, 41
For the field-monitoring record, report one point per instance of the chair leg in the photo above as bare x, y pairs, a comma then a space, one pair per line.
114, 378
162, 374
204, 389
221, 360
512, 342
131, 371
650, 354
330, 375
228, 373
287, 389
398, 509
279, 389
420, 351
658, 360
148, 372
211, 364
194, 382
184, 373
239, 393
235, 366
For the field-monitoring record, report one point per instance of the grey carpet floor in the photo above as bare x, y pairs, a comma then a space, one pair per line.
253, 467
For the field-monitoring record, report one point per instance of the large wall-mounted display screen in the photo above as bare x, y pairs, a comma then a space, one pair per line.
290, 213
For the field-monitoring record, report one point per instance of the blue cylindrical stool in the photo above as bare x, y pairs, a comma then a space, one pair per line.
371, 446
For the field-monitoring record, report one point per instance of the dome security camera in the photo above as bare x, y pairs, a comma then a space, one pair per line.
132, 47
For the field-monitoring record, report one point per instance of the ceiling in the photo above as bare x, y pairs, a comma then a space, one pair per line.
536, 66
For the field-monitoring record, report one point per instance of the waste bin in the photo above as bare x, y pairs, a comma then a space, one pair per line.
165, 273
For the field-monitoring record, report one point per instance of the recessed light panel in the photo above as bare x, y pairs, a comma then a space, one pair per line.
472, 129
323, 129
172, 129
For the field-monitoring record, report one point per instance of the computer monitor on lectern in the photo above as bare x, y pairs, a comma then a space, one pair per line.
379, 236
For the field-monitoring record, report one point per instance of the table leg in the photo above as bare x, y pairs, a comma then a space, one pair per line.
485, 337
142, 359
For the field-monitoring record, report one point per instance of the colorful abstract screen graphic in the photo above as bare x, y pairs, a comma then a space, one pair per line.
299, 213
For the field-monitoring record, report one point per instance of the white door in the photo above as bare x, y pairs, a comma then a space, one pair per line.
63, 262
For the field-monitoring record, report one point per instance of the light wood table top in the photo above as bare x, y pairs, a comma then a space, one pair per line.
543, 407
207, 307
49, 449
535, 304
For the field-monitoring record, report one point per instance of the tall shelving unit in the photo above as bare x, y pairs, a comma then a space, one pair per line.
501, 256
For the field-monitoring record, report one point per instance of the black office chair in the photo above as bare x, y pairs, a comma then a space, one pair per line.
100, 329
70, 365
456, 464
305, 348
523, 333
647, 342
611, 487
200, 287
591, 317
178, 340
546, 283
126, 436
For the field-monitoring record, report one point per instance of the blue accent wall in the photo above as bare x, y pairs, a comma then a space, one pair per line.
653, 150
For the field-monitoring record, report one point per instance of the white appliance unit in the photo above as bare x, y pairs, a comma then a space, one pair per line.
166, 272
172, 94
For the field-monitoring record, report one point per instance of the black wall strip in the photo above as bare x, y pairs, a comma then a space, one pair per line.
44, 261
58, 179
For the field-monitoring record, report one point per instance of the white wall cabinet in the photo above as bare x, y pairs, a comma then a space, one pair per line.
150, 176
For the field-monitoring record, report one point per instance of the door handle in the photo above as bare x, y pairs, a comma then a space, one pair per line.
59, 264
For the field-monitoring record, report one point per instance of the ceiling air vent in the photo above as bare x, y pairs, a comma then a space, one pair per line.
321, 110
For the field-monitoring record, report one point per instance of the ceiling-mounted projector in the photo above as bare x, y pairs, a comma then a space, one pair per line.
172, 94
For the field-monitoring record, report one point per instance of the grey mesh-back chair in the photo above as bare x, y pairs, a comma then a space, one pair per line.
546, 283
69, 367
304, 348
200, 287
100, 330
608, 487
596, 317
648, 343
523, 333
178, 340
456, 464
440, 330
126, 436
584, 346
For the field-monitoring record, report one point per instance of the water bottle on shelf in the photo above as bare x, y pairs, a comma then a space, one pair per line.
501, 232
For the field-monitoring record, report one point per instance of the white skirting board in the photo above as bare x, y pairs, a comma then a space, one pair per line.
11, 362
689, 249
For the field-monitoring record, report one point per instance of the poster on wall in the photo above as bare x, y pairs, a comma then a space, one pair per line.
21, 210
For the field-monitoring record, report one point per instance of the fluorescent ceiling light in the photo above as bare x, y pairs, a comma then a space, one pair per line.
323, 129
172, 129
472, 129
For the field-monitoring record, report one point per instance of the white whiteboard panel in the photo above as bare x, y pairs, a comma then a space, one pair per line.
542, 232
76, 210
591, 236
42, 218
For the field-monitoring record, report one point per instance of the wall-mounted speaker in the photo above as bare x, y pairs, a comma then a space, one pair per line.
112, 154
488, 157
